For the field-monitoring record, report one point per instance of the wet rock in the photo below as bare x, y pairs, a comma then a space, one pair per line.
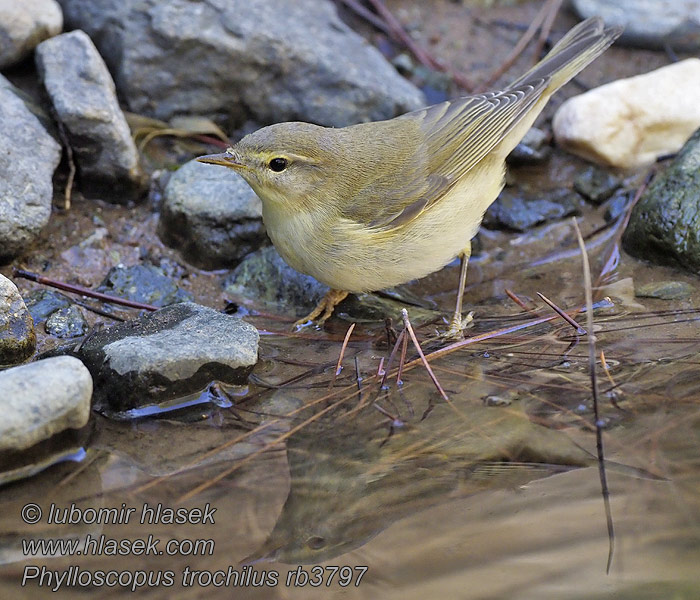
43, 398
617, 205
211, 215
23, 25
654, 24
165, 355
43, 303
631, 122
242, 59
596, 185
66, 323
17, 337
665, 224
143, 283
83, 95
373, 307
664, 290
269, 283
520, 212
533, 148
27, 163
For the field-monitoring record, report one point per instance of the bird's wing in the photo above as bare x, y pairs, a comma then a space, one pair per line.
450, 139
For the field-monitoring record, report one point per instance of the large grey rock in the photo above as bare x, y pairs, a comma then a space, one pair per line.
17, 337
655, 24
211, 215
83, 94
23, 25
28, 159
665, 224
239, 59
166, 355
43, 398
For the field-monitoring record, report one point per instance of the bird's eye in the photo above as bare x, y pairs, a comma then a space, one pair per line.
278, 164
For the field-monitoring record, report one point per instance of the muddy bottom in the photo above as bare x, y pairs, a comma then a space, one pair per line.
355, 485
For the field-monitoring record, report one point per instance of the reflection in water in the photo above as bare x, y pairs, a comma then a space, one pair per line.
350, 483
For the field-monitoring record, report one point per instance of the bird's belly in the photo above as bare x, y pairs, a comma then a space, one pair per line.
351, 257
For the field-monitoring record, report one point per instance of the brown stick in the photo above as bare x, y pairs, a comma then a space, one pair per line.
517, 300
77, 289
409, 328
338, 368
580, 330
594, 391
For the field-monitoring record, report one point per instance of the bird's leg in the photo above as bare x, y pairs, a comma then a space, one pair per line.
458, 323
325, 306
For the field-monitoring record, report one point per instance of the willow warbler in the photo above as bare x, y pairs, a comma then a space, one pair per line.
374, 205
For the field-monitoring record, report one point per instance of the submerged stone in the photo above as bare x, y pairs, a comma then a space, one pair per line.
167, 354
664, 290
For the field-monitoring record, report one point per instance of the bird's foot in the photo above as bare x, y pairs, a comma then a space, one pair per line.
458, 324
323, 310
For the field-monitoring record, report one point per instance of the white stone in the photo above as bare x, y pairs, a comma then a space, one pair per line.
42, 398
24, 24
630, 122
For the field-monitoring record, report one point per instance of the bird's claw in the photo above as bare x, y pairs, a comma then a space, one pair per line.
457, 326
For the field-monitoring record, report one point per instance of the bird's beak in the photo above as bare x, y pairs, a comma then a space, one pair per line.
226, 159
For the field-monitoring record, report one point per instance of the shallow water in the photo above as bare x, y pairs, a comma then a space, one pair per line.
494, 493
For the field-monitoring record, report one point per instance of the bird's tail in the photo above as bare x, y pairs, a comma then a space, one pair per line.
576, 50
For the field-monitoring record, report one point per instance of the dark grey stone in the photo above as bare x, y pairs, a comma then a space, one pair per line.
147, 284
23, 25
17, 337
84, 98
66, 323
532, 149
617, 204
43, 303
55, 395
665, 224
267, 282
28, 159
242, 59
520, 212
166, 355
596, 184
211, 215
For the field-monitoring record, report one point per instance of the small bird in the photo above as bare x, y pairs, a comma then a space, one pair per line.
374, 205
